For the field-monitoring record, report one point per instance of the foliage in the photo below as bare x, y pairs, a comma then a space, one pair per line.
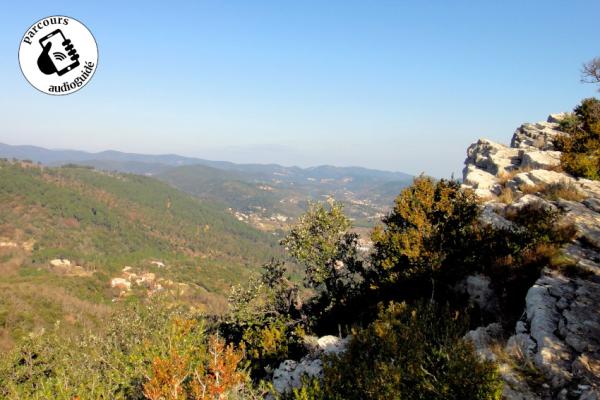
322, 243
580, 145
434, 234
429, 230
103, 222
213, 375
264, 317
144, 352
263, 300
408, 352
110, 362
514, 257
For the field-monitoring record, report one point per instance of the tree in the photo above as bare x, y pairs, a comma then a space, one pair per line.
580, 146
323, 243
429, 232
590, 72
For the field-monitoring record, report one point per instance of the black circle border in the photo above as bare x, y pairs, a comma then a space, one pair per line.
58, 94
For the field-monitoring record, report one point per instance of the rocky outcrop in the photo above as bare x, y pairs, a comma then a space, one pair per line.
492, 157
538, 136
289, 373
540, 159
63, 266
559, 332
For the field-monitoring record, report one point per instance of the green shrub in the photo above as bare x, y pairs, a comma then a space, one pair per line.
109, 363
407, 353
321, 241
428, 236
580, 145
264, 319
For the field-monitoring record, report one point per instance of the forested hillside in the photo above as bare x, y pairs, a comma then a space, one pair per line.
66, 233
267, 196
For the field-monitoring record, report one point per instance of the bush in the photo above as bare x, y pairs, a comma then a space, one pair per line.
433, 239
322, 242
407, 353
581, 143
151, 352
514, 258
264, 319
427, 236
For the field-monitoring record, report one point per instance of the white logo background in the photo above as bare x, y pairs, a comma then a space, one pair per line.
71, 78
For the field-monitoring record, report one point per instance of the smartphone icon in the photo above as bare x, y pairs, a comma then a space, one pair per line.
62, 53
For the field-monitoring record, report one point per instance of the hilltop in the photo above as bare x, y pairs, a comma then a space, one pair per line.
267, 196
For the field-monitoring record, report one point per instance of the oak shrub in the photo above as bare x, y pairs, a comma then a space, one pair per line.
580, 145
407, 353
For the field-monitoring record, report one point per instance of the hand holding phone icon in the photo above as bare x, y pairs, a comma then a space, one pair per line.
57, 61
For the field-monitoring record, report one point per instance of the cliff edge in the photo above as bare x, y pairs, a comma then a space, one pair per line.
558, 335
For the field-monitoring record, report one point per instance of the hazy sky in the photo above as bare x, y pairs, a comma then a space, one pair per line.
401, 85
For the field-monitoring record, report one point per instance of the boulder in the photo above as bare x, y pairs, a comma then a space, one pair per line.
588, 187
538, 159
332, 344
479, 179
490, 216
556, 118
538, 136
480, 292
585, 220
483, 338
492, 157
289, 373
538, 177
553, 355
120, 283
60, 263
520, 346
526, 200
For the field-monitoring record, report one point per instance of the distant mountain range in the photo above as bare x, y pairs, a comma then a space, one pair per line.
265, 195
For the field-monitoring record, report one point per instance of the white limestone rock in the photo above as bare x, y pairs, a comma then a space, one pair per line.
540, 159
526, 200
332, 344
60, 263
553, 355
490, 216
480, 292
556, 118
120, 283
479, 179
586, 220
289, 373
492, 157
482, 338
538, 136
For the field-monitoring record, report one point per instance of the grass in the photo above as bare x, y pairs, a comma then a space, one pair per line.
562, 190
507, 195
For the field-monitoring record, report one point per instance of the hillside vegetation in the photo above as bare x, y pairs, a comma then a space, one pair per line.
100, 223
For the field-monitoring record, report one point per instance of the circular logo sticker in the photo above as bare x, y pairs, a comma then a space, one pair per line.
58, 55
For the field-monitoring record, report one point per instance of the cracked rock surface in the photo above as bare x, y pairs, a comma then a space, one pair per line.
559, 332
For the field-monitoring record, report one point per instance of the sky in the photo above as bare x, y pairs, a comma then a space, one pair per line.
395, 85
